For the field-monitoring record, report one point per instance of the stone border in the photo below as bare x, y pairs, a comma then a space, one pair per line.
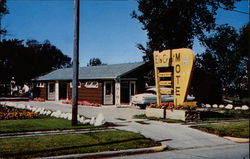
236, 139
155, 112
176, 114
109, 153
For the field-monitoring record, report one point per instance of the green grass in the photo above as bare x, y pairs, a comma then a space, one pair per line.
219, 114
234, 129
142, 122
72, 143
143, 116
46, 123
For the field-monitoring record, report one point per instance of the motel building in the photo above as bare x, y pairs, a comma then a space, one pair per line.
105, 84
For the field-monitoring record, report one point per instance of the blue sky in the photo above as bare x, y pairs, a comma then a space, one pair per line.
107, 30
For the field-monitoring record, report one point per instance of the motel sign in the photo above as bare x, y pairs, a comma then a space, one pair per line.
173, 70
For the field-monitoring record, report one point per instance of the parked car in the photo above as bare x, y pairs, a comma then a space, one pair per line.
150, 97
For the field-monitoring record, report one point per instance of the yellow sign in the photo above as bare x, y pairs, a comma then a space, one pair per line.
173, 69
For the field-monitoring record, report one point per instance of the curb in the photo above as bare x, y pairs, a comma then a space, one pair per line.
236, 139
109, 153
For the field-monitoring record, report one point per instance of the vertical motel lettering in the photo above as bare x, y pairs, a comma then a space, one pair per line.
177, 71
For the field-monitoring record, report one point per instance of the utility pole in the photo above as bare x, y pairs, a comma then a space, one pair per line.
0, 27
248, 11
75, 63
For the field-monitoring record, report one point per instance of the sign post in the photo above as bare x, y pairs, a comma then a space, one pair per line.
173, 71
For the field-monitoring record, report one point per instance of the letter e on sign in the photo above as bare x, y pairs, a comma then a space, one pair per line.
177, 91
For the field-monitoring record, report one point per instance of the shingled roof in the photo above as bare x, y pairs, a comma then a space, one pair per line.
92, 72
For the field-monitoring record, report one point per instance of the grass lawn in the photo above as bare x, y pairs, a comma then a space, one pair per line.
50, 145
233, 129
45, 123
219, 114
72, 143
143, 116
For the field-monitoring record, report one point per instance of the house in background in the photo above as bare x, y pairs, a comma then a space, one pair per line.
104, 84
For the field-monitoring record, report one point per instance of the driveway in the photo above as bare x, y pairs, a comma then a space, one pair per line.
175, 135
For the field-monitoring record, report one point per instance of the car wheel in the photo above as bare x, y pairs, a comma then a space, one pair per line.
142, 106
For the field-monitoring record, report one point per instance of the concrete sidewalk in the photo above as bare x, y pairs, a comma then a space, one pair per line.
175, 135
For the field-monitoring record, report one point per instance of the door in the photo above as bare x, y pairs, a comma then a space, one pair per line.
63, 90
108, 92
125, 92
128, 89
132, 91
51, 91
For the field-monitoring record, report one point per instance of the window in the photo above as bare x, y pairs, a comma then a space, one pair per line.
108, 88
79, 85
51, 87
132, 89
40, 85
91, 84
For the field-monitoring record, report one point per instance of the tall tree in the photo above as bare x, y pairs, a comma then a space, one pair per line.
225, 57
223, 47
3, 11
25, 62
174, 23
95, 62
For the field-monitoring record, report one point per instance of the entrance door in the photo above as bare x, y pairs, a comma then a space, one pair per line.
125, 92
108, 92
51, 91
128, 89
63, 90
132, 89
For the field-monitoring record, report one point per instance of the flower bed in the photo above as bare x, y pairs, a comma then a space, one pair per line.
9, 113
170, 106
39, 99
82, 103
32, 112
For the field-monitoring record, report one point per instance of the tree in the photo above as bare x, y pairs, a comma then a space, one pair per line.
225, 58
25, 62
95, 62
223, 47
244, 43
173, 24
3, 11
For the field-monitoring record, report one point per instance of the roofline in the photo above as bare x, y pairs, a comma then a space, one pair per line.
97, 78
131, 70
94, 78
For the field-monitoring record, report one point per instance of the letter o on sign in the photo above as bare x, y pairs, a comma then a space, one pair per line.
178, 68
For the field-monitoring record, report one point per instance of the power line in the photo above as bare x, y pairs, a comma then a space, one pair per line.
80, 0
